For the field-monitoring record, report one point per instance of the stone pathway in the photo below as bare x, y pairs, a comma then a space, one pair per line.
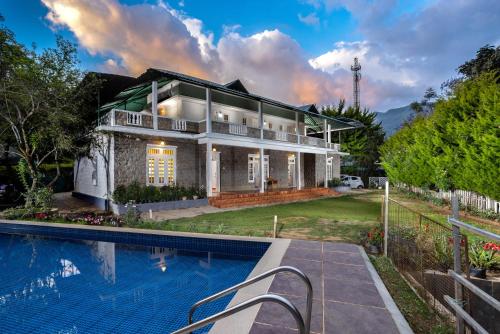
347, 298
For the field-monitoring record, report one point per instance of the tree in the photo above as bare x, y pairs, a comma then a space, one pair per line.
40, 105
362, 143
487, 60
457, 147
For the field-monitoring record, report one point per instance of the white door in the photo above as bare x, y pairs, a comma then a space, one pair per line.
215, 172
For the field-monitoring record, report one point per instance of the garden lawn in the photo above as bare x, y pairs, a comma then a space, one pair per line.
440, 214
345, 218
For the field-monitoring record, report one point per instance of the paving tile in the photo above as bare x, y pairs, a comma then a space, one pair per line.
343, 257
352, 292
355, 319
274, 314
285, 283
268, 329
308, 267
303, 253
346, 272
306, 244
340, 247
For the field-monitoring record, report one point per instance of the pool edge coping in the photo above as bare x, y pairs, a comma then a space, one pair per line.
242, 322
140, 231
389, 303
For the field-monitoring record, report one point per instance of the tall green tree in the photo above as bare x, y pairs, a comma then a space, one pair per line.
457, 147
363, 143
40, 105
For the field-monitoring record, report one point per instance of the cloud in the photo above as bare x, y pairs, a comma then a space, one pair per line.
411, 50
141, 36
401, 53
310, 19
137, 37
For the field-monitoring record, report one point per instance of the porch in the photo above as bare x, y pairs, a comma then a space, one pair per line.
239, 172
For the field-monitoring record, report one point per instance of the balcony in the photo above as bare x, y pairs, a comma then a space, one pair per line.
124, 118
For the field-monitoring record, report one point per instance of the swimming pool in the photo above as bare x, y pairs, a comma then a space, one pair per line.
67, 285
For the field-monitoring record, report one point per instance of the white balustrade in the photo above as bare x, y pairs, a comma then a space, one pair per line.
238, 129
134, 118
179, 125
281, 135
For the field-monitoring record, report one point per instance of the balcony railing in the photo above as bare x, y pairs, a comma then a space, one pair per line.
238, 129
120, 117
281, 135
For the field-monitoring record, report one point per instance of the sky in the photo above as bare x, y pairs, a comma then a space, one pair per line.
296, 51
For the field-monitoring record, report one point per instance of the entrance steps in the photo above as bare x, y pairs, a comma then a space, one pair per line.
231, 200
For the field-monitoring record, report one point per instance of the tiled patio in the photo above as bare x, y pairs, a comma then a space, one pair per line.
345, 294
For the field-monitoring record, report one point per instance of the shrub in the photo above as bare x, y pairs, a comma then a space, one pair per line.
146, 194
132, 217
40, 198
18, 213
335, 182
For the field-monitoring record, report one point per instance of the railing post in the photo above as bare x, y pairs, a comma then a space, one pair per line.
386, 217
261, 120
457, 263
154, 103
208, 110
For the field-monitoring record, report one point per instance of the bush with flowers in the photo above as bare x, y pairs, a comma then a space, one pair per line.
375, 236
484, 255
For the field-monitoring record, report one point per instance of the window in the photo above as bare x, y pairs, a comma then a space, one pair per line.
161, 165
270, 125
254, 167
281, 127
244, 121
226, 118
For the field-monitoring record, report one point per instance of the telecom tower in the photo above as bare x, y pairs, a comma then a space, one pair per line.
356, 76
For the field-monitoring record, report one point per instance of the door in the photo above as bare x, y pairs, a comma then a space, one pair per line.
291, 171
215, 172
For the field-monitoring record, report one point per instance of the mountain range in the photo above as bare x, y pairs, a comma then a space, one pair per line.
392, 119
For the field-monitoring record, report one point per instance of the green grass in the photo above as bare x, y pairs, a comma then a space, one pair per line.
339, 218
419, 315
440, 214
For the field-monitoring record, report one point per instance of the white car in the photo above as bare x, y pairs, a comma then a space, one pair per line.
354, 182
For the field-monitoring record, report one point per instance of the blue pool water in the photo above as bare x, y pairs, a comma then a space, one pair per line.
76, 286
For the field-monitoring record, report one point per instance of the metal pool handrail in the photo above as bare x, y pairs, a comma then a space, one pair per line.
258, 278
244, 305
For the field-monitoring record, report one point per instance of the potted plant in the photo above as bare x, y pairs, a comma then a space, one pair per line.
482, 257
375, 239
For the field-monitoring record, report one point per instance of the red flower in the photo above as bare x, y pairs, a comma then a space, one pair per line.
41, 215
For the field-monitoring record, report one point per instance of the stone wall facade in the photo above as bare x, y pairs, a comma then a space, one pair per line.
130, 164
130, 159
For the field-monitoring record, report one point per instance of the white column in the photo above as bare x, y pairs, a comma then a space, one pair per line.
261, 120
298, 163
326, 170
297, 130
261, 167
208, 169
208, 110
325, 134
154, 103
329, 133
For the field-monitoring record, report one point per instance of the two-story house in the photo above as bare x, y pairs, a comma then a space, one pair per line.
171, 128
